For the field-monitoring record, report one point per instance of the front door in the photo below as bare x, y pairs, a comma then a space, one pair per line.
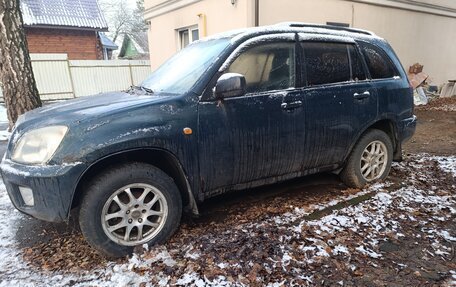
255, 136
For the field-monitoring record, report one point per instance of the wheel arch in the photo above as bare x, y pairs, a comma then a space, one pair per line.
162, 159
388, 126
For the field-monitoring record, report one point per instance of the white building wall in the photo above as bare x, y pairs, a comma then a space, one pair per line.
211, 17
421, 31
416, 36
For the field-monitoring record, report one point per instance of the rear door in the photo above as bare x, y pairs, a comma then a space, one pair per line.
255, 136
392, 93
339, 100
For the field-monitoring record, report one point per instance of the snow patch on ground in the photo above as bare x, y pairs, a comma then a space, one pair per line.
13, 270
4, 135
447, 163
3, 114
446, 235
368, 252
339, 249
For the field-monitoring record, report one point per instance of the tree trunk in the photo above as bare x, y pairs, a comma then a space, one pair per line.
16, 75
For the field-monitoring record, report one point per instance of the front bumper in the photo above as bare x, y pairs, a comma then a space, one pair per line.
53, 188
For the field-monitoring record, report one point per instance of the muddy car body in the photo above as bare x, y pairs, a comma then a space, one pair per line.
134, 160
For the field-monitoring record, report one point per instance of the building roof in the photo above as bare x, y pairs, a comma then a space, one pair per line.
68, 13
132, 46
106, 42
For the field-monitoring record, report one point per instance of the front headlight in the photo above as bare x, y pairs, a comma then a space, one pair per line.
39, 145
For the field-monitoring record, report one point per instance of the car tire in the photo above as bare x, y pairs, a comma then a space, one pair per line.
369, 161
136, 199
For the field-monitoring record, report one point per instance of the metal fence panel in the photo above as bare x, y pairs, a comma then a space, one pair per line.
140, 70
52, 76
92, 77
59, 78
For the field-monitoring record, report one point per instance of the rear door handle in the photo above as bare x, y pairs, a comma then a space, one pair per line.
364, 95
291, 105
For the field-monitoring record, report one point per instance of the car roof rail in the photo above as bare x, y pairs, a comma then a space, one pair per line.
329, 27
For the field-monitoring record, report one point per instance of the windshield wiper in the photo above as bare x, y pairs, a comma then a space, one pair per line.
147, 90
142, 88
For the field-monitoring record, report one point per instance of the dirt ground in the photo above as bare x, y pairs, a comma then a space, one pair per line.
436, 130
310, 231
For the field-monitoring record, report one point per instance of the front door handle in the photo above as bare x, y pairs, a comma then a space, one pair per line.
291, 105
362, 96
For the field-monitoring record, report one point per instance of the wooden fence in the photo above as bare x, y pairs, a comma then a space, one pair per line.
58, 78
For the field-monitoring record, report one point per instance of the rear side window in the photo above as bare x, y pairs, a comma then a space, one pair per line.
326, 63
379, 64
267, 67
358, 73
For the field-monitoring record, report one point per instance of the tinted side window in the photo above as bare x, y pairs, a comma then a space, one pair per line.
357, 67
380, 66
267, 67
326, 63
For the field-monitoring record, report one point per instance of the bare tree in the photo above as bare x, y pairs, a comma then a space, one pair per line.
119, 16
139, 24
16, 75
123, 18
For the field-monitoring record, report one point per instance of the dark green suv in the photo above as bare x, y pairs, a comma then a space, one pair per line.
231, 112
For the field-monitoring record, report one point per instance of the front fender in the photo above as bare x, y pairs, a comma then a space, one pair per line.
142, 154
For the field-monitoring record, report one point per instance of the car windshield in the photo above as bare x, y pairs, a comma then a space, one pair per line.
183, 70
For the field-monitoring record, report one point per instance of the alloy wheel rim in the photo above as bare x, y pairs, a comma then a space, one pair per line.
374, 160
134, 214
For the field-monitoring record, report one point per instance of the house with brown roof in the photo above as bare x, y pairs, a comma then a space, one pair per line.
73, 27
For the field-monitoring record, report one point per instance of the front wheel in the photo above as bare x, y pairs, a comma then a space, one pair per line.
128, 206
369, 161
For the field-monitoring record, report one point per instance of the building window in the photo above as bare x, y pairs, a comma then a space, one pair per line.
346, 25
187, 36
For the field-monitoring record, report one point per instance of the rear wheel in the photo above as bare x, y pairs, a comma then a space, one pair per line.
369, 161
127, 206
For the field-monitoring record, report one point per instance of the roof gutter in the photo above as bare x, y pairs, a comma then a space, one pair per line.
167, 7
412, 5
44, 26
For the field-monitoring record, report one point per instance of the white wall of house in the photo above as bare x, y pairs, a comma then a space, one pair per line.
417, 33
169, 17
421, 31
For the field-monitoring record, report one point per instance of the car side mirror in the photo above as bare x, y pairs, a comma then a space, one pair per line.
230, 85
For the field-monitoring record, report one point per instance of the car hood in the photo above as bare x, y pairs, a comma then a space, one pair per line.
87, 108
